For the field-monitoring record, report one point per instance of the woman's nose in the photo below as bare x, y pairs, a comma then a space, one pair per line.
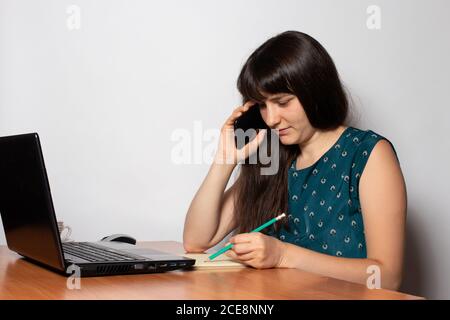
273, 118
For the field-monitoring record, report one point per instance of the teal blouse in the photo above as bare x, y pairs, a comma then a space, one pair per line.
324, 211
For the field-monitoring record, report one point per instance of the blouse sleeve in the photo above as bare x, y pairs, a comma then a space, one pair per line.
362, 155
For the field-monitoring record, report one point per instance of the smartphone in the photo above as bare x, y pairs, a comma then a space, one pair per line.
249, 120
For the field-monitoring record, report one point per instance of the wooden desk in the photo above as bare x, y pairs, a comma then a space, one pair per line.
20, 279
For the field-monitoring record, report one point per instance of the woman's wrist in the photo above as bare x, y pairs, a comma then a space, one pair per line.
222, 171
289, 255
224, 162
284, 248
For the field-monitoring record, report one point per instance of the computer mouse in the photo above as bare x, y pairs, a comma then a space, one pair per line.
120, 238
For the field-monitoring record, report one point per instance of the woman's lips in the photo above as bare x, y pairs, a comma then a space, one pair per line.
283, 132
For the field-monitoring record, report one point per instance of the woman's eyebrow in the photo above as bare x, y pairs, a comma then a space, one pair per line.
278, 97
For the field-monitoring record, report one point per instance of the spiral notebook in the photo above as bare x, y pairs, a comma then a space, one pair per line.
202, 261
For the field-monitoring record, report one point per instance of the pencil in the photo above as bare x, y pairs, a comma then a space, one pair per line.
228, 247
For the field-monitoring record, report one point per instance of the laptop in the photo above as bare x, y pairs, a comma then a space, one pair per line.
31, 229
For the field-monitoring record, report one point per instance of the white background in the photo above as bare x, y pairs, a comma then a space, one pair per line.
106, 99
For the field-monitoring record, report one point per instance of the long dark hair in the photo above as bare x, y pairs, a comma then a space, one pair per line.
291, 62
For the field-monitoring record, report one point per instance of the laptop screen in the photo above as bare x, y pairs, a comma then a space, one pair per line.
26, 206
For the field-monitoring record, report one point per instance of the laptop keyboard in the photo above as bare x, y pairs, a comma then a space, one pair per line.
92, 253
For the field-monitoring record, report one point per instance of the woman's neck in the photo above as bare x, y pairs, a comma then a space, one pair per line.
316, 145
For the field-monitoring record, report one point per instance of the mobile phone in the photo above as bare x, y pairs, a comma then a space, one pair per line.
251, 119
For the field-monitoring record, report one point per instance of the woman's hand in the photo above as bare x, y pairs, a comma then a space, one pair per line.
257, 250
227, 152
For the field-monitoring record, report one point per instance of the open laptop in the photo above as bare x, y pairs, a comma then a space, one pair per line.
31, 230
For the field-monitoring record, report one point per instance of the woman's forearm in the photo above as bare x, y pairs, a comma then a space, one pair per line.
349, 269
203, 215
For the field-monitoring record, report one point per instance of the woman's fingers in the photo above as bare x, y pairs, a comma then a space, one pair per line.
228, 151
241, 257
242, 248
235, 114
253, 145
239, 111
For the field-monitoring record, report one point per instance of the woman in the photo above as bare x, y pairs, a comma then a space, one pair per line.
342, 187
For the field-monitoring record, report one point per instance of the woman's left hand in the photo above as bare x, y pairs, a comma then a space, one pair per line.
257, 250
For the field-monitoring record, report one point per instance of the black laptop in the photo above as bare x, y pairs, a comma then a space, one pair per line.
31, 230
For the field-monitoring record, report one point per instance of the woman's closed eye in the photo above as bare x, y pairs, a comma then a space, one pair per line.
284, 102
279, 102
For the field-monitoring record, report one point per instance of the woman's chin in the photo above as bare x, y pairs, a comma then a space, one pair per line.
286, 139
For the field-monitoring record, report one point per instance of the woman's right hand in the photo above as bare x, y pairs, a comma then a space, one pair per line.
227, 152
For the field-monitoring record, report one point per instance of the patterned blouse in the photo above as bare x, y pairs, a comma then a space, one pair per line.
324, 211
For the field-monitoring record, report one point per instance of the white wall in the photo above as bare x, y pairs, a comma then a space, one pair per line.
106, 98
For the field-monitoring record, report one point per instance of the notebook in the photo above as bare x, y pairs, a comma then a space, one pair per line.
202, 261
